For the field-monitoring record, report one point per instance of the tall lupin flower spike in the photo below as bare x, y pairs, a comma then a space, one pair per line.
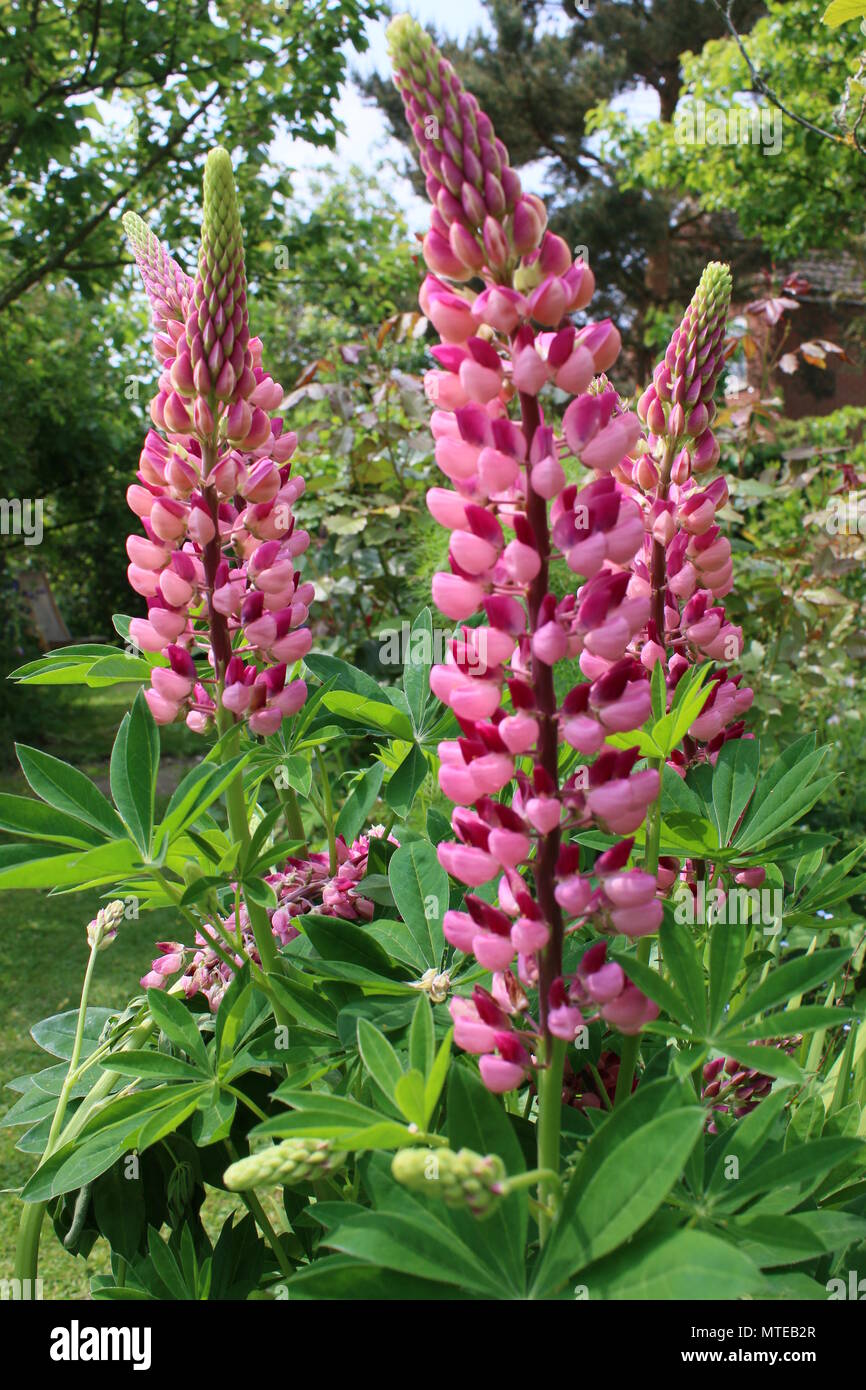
214, 492
686, 565
505, 472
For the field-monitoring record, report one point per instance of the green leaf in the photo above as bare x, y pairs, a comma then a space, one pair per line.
689, 699
24, 866
679, 795
78, 652
651, 982
620, 1179
68, 790
334, 1117
782, 1240
198, 790
379, 1058
734, 778
422, 1041
308, 1006
339, 1277
178, 1025
405, 782
239, 1009
790, 1176
793, 977
436, 1076
771, 1060
477, 1121
346, 677
57, 1033
257, 891
119, 1208
421, 893
745, 1139
409, 1095
129, 1122
804, 1019
841, 11
160, 1065
727, 945
23, 815
134, 764
336, 939
676, 1265
416, 667
397, 941
684, 966
413, 1245
782, 795
360, 802
438, 826
373, 713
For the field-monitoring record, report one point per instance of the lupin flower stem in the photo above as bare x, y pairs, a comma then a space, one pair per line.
550, 962
631, 1045
550, 965
99, 933
549, 1129
659, 553
253, 1205
240, 832
328, 812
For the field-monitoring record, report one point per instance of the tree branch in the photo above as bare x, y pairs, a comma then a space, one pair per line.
760, 85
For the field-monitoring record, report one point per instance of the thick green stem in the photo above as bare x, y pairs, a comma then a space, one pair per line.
631, 1045
292, 812
240, 831
30, 1229
329, 818
27, 1252
549, 1124
530, 1178
260, 1216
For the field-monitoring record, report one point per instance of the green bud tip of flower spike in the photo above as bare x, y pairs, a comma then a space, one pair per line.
468, 177
167, 285
710, 301
281, 1165
409, 44
463, 1179
217, 327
